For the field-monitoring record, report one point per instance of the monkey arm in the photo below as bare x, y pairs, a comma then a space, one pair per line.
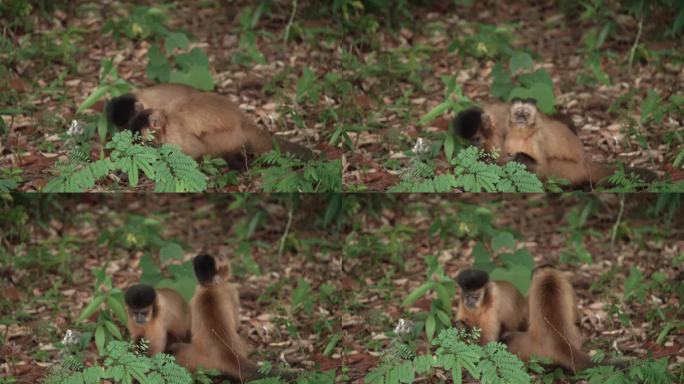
491, 328
157, 339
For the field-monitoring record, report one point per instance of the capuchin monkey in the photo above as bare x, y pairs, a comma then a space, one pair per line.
549, 147
200, 123
159, 315
216, 343
493, 306
553, 330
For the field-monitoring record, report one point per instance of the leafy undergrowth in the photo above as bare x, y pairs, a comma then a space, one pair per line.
354, 80
345, 286
67, 259
622, 255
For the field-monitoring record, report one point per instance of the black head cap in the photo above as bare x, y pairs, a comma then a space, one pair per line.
467, 122
472, 279
120, 110
140, 121
140, 296
205, 268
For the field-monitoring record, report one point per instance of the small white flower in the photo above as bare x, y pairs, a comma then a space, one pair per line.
76, 128
71, 338
422, 147
403, 327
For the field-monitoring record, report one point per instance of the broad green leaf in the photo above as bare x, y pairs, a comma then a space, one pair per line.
170, 251
503, 239
435, 112
197, 76
94, 97
158, 67
91, 308
418, 293
116, 305
521, 61
100, 338
430, 326
543, 93
518, 275
175, 40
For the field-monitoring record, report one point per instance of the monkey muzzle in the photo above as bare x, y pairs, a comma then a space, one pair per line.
471, 302
521, 117
140, 317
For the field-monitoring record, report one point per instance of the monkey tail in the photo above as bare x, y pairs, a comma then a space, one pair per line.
297, 150
205, 269
552, 313
468, 122
121, 110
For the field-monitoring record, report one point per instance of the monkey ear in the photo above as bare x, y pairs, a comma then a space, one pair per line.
516, 100
472, 279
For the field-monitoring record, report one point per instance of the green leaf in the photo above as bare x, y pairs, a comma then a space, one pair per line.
541, 92
92, 307
538, 76
518, 275
503, 239
520, 61
117, 306
100, 338
113, 329
435, 112
449, 144
158, 67
198, 76
482, 257
170, 251
502, 84
418, 293
335, 338
94, 97
175, 40
306, 86
430, 326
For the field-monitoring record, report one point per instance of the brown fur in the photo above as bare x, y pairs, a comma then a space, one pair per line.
501, 309
553, 331
168, 322
216, 343
551, 143
163, 96
205, 123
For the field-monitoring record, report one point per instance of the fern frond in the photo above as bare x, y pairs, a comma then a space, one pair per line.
177, 172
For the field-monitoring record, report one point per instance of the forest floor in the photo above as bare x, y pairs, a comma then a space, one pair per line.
373, 86
334, 293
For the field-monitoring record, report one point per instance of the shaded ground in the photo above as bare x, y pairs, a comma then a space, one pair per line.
387, 80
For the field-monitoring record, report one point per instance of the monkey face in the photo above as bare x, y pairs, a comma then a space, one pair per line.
523, 113
472, 299
141, 316
156, 128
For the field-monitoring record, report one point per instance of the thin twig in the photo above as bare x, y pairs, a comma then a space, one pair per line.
632, 52
286, 35
237, 357
281, 247
617, 222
